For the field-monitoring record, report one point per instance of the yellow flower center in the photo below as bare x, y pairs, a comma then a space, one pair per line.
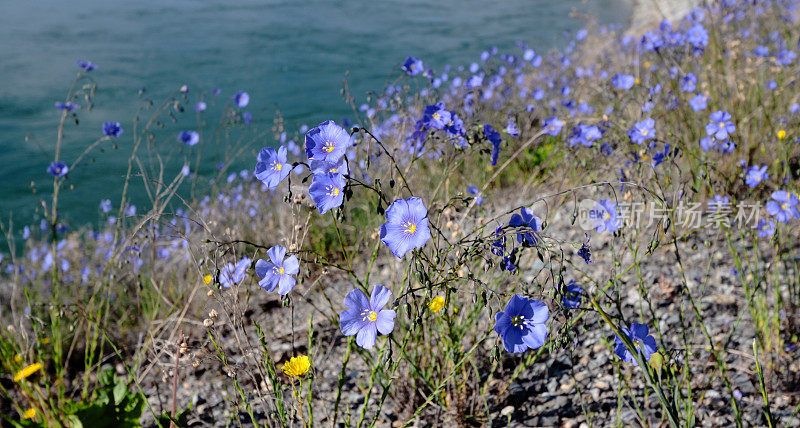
784, 207
606, 216
278, 270
410, 228
329, 146
518, 321
277, 166
333, 191
644, 132
334, 170
369, 315
436, 115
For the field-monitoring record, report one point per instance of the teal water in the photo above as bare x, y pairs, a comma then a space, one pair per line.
288, 55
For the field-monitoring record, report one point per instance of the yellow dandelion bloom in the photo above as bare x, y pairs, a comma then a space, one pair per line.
781, 134
296, 366
207, 279
436, 304
27, 371
29, 414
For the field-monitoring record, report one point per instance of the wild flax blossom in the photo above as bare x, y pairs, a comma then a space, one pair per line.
57, 169
573, 294
277, 272
522, 325
365, 317
639, 334
413, 66
755, 175
296, 366
720, 126
241, 99
642, 131
494, 137
783, 206
436, 116
553, 125
406, 226
604, 216
528, 225
327, 142
112, 129
272, 166
327, 191
623, 81
232, 274
86, 65
189, 138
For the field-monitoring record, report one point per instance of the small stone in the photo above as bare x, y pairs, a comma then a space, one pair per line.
507, 410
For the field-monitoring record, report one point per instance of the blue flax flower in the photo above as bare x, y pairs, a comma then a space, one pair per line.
756, 175
573, 294
765, 228
720, 126
68, 106
783, 206
272, 167
511, 128
522, 324
436, 116
643, 131
406, 226
327, 142
190, 138
494, 137
698, 102
604, 216
58, 169
86, 65
365, 317
529, 225
327, 191
241, 99
231, 274
697, 36
413, 66
112, 129
553, 125
277, 273
623, 81
639, 334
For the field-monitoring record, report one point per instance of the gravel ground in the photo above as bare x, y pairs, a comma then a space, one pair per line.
560, 389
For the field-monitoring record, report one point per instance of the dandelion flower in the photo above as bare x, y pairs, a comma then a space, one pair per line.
296, 366
436, 304
29, 414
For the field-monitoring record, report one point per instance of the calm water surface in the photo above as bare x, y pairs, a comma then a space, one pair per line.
289, 55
